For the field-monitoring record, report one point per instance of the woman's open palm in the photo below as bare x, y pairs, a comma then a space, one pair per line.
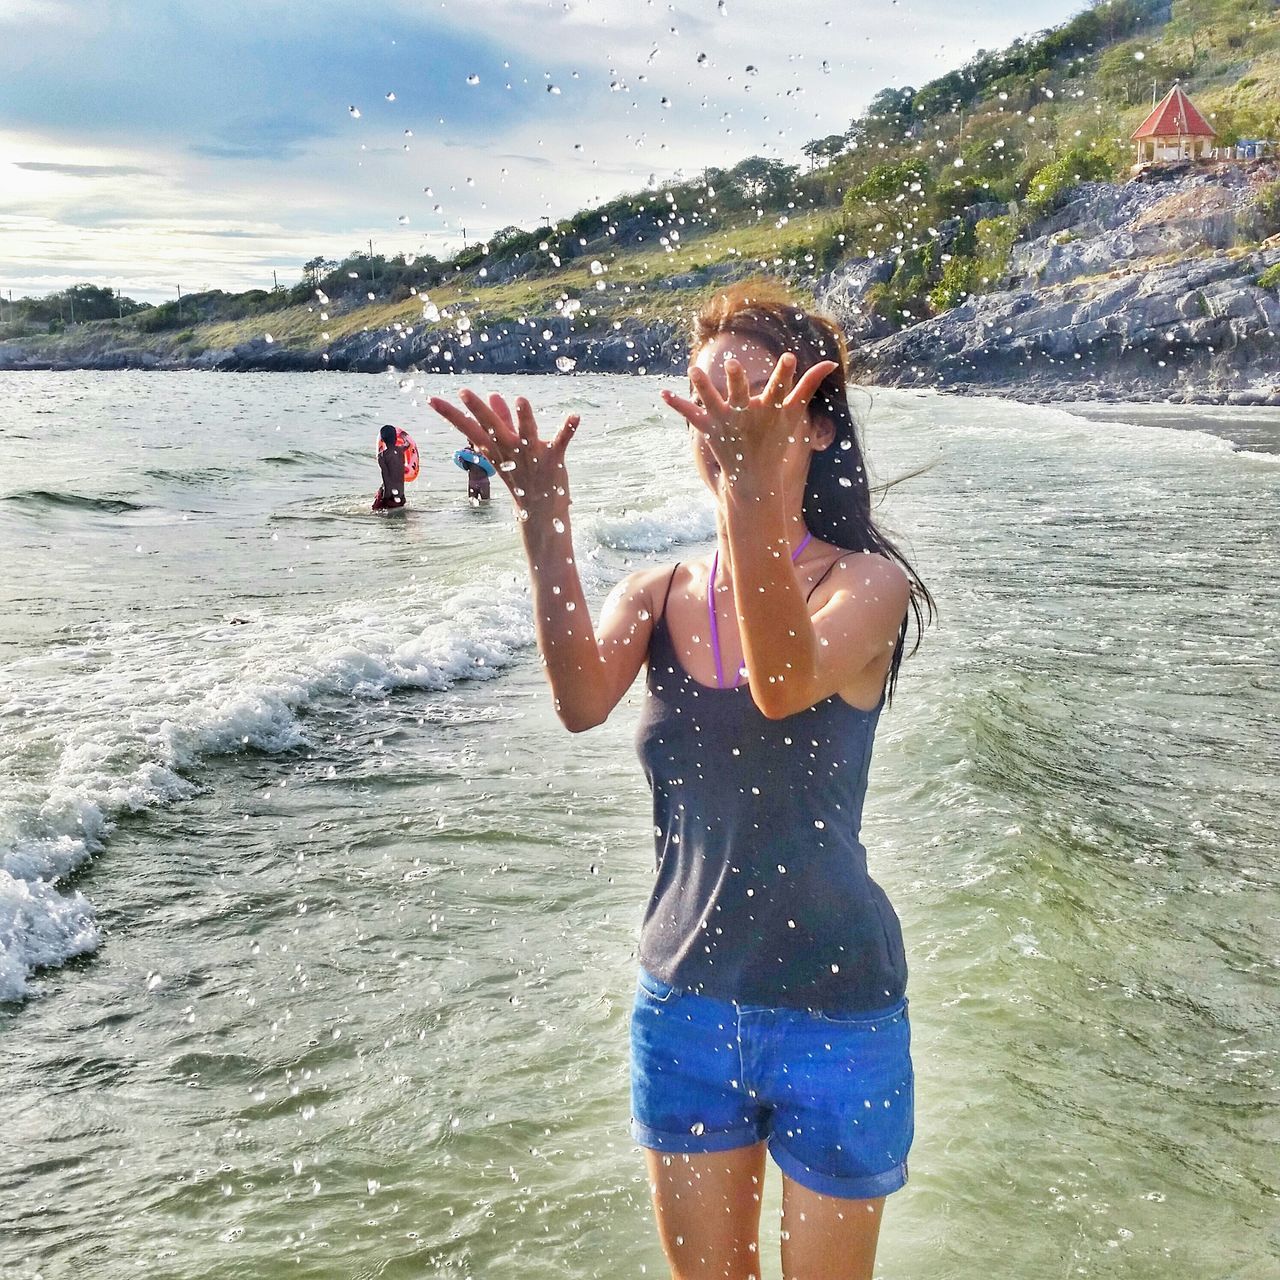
532, 468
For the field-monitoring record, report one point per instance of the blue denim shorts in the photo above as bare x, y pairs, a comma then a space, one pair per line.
833, 1095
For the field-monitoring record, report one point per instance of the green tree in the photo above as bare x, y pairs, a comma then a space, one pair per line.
1190, 20
824, 150
317, 268
763, 181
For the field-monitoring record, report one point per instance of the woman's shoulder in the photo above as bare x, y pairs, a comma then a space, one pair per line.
856, 571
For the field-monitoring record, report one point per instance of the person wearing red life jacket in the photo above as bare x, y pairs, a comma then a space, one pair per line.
391, 463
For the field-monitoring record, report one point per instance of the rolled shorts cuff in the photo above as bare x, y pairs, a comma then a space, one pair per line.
866, 1187
695, 1144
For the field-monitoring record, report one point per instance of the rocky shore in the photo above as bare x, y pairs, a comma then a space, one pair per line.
1141, 291
1145, 290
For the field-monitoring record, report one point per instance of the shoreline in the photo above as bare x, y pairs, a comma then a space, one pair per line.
1031, 392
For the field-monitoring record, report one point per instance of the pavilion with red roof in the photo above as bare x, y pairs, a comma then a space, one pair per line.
1175, 130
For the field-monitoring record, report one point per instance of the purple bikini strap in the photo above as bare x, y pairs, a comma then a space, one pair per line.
711, 611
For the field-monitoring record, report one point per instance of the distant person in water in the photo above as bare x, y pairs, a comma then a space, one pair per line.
477, 482
391, 463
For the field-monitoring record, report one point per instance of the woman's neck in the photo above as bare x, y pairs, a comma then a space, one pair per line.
796, 534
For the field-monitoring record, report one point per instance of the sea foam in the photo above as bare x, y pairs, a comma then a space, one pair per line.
135, 727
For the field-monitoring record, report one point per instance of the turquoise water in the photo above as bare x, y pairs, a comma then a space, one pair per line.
318, 932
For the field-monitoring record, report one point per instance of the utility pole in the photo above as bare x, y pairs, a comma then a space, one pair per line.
373, 275
71, 298
275, 282
179, 289
464, 237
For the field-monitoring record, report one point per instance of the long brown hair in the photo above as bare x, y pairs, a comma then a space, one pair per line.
837, 495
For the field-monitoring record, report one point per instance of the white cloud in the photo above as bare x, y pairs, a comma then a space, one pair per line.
299, 176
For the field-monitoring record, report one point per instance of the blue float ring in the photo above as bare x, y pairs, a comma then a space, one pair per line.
463, 456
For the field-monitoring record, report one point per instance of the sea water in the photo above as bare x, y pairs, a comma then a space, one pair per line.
317, 932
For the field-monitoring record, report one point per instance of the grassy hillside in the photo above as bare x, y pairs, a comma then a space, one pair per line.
940, 179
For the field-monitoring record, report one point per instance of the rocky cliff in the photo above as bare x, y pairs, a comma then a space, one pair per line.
1135, 291
1140, 291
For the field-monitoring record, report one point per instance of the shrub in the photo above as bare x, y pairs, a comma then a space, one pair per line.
1267, 203
1050, 185
995, 237
1270, 278
977, 266
956, 283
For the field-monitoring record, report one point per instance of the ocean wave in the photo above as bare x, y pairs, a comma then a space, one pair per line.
222, 691
189, 476
38, 499
295, 457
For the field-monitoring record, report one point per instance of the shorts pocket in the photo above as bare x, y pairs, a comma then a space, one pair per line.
877, 1020
655, 988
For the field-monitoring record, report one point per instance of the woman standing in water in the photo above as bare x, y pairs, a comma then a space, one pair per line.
770, 1012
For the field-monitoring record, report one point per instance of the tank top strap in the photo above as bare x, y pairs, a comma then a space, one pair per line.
825, 575
666, 595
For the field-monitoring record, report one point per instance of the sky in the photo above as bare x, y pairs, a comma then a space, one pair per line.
151, 145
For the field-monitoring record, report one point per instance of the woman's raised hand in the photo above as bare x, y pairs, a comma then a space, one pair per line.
748, 432
532, 468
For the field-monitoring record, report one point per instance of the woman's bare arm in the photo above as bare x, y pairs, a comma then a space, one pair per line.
588, 673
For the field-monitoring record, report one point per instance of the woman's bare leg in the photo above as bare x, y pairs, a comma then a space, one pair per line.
708, 1211
827, 1238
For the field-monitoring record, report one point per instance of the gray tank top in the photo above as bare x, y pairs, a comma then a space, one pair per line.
762, 894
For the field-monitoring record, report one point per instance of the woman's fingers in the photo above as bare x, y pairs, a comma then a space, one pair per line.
712, 401
690, 410
526, 424
476, 435
808, 385
565, 434
739, 389
780, 381
501, 411
484, 414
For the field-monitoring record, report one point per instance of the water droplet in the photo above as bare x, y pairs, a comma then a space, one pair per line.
566, 364
551, 88
391, 97
508, 465
473, 79
558, 525
355, 112
597, 268
403, 219
1139, 56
